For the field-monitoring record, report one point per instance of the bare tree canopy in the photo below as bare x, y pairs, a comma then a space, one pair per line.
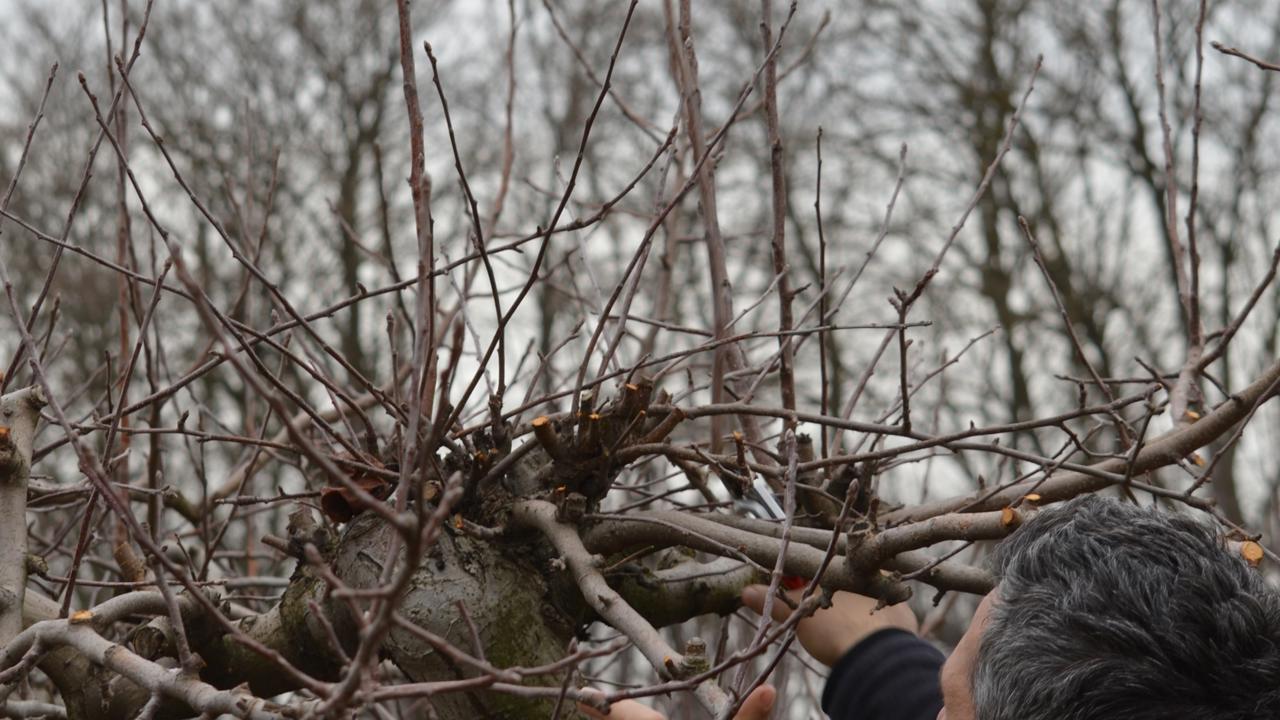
468, 359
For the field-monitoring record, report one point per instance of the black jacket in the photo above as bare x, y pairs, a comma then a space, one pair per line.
890, 675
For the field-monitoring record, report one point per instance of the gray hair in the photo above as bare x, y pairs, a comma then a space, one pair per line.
1108, 610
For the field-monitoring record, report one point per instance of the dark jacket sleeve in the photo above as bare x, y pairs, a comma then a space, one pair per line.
890, 675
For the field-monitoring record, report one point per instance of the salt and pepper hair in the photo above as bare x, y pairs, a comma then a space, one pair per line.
1108, 610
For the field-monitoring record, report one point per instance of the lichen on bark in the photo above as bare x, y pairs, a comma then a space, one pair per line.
504, 589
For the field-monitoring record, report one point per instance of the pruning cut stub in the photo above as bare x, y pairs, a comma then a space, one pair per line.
1252, 553
1009, 517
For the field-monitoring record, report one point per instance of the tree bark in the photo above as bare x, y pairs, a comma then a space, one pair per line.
19, 412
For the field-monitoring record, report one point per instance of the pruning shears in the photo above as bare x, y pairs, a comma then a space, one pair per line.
760, 502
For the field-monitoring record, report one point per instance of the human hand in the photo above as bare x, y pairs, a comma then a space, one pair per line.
830, 632
756, 707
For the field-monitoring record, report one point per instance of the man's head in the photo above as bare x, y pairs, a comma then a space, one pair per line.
1107, 610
